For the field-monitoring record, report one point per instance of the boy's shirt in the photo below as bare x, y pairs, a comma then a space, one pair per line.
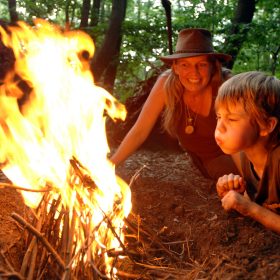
266, 190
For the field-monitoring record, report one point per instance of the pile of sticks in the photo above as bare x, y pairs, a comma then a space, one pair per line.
51, 246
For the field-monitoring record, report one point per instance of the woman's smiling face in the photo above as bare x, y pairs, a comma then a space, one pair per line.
194, 72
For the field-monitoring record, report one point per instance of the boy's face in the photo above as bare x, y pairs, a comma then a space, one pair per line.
234, 130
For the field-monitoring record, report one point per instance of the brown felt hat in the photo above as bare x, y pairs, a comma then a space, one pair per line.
194, 42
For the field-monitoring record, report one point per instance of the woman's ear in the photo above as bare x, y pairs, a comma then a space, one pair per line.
270, 125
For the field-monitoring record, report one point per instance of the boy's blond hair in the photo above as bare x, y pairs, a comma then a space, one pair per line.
259, 94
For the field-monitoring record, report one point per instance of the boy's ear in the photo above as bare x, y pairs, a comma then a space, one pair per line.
270, 125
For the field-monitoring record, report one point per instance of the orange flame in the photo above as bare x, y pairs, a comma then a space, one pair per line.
56, 116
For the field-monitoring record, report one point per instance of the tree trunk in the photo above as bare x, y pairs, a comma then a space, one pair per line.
274, 60
109, 51
85, 13
95, 12
70, 9
67, 7
73, 12
240, 26
13, 10
102, 17
111, 71
167, 7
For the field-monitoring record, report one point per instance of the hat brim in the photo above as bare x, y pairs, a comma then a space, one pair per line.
169, 58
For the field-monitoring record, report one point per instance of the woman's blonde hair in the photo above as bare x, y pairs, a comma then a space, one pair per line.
174, 91
258, 93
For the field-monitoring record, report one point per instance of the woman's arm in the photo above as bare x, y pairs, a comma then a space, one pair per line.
246, 207
144, 124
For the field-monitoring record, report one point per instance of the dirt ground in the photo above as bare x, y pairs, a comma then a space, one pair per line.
182, 208
11, 246
179, 204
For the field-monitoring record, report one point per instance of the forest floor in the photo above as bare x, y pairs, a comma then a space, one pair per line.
171, 194
183, 210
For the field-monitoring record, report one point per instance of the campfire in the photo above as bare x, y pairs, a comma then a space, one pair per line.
54, 147
54, 151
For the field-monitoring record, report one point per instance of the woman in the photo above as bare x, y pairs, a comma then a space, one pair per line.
185, 94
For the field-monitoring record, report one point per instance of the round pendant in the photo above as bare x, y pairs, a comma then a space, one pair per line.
189, 129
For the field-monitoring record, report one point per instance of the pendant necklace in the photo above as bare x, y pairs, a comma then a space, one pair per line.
190, 121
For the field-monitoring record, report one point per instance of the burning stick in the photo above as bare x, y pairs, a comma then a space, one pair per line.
11, 186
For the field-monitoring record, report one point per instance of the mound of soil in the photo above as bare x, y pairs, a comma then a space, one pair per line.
180, 206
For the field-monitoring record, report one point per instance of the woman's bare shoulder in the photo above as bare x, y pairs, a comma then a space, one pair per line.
165, 73
162, 78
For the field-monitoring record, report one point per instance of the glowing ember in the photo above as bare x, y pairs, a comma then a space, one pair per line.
53, 127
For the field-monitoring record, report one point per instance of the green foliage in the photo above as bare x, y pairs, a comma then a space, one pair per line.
50, 9
263, 40
145, 35
4, 14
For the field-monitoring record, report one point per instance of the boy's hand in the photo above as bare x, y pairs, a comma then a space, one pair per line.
230, 182
232, 201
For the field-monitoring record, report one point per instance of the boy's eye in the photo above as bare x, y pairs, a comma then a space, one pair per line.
226, 119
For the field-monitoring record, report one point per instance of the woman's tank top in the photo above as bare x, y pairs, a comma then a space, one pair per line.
201, 142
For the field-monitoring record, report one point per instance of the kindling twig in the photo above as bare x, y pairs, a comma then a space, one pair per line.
41, 269
173, 270
65, 231
70, 244
136, 175
85, 179
11, 186
32, 262
40, 237
42, 263
153, 238
32, 244
27, 256
109, 223
128, 275
6, 261
12, 274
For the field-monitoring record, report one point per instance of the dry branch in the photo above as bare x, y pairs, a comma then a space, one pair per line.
11, 186
40, 237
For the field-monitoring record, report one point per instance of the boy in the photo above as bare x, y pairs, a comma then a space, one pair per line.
248, 114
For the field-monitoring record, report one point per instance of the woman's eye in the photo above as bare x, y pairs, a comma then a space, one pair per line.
203, 65
183, 65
